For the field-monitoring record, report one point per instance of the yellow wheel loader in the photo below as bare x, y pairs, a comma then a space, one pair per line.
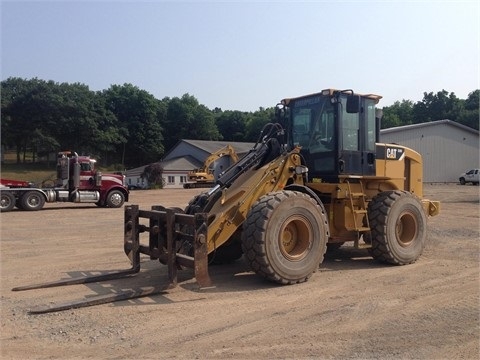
317, 177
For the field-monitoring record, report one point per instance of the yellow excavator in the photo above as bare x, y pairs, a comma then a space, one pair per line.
317, 177
204, 177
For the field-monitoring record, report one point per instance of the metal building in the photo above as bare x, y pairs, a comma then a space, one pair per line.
448, 148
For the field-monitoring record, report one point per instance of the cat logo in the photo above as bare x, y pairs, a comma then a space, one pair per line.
394, 153
389, 152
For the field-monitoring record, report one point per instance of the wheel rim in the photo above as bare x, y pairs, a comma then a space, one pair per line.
116, 199
295, 238
33, 201
5, 202
406, 229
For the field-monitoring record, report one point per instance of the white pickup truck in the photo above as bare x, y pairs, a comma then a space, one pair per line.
472, 176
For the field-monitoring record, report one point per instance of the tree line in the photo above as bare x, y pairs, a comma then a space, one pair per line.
129, 127
440, 106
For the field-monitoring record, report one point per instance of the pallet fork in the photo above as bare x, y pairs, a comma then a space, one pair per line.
168, 229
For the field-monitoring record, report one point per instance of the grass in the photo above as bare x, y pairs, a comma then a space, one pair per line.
37, 173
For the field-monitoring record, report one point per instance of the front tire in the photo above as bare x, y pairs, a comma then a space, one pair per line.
285, 236
115, 199
398, 227
462, 181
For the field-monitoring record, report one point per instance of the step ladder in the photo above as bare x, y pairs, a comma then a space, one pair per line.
359, 207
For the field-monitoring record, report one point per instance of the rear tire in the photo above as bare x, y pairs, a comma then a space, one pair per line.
398, 227
285, 236
32, 201
7, 201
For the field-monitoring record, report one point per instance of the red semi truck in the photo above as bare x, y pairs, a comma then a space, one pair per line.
77, 181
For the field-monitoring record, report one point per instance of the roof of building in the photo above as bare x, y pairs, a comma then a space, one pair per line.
135, 171
430, 123
180, 163
210, 146
176, 164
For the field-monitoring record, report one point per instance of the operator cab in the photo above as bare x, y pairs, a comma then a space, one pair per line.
337, 132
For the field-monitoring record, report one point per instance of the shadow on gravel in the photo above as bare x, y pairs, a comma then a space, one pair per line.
349, 258
234, 277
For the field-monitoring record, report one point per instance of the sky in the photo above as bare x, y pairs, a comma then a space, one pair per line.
243, 55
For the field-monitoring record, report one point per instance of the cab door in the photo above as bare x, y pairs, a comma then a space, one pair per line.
357, 139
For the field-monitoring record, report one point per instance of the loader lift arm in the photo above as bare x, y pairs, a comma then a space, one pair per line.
267, 148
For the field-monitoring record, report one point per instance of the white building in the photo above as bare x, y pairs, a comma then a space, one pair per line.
447, 148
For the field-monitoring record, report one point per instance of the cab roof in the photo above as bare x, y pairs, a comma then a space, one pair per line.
331, 92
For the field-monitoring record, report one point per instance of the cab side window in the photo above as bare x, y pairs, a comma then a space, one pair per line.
85, 167
351, 128
370, 125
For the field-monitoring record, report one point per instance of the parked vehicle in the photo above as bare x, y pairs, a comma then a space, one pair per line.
470, 176
77, 181
136, 187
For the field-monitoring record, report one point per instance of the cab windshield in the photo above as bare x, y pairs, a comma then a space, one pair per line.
313, 122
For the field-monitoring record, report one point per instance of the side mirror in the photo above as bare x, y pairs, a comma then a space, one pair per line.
279, 112
353, 104
281, 115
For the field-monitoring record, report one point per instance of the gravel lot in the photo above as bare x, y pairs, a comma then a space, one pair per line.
352, 308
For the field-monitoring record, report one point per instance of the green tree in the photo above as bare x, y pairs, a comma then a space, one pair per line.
256, 121
231, 125
439, 106
470, 115
26, 106
74, 117
398, 114
107, 136
139, 123
187, 119
46, 116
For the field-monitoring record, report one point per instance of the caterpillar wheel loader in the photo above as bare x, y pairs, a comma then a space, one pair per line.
318, 177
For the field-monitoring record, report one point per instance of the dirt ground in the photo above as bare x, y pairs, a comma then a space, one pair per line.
351, 308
